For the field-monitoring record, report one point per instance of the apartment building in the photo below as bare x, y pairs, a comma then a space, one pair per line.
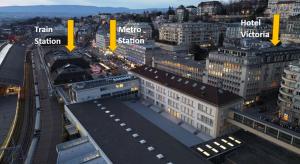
291, 34
102, 40
145, 28
181, 65
192, 12
137, 54
248, 72
115, 86
182, 14
202, 106
285, 8
289, 94
204, 34
210, 8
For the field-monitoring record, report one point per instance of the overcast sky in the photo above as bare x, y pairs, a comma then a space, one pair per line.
134, 4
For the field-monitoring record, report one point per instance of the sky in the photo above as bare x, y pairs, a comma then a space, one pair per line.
133, 4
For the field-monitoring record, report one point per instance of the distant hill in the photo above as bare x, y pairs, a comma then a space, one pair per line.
64, 10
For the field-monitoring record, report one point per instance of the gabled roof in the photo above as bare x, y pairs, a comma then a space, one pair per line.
193, 88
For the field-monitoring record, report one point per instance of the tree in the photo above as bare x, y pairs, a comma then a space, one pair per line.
170, 11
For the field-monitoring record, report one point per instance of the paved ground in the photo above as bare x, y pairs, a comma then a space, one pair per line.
169, 127
8, 106
51, 121
259, 151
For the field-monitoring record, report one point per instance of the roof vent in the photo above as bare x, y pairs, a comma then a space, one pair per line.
203, 87
150, 148
160, 156
220, 91
142, 141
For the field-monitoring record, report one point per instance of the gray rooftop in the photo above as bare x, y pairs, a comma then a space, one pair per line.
12, 67
102, 82
79, 150
8, 106
109, 127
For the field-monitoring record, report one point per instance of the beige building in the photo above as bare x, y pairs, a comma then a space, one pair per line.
204, 34
199, 105
145, 28
289, 94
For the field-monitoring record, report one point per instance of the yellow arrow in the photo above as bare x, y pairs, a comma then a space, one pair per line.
113, 35
70, 46
276, 25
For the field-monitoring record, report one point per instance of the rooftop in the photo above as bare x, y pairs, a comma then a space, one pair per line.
196, 89
218, 146
182, 59
102, 82
126, 137
12, 66
7, 114
258, 150
79, 150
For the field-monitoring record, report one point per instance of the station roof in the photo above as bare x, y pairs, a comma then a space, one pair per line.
79, 150
12, 67
126, 137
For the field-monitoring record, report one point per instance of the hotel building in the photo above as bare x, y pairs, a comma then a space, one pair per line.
248, 72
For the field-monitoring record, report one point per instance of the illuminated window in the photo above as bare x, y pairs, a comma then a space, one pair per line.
120, 85
285, 117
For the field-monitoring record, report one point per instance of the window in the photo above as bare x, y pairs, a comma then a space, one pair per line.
121, 85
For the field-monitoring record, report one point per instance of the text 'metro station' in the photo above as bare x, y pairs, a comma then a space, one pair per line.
47, 37
123, 38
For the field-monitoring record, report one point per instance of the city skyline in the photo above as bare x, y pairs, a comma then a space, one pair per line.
105, 3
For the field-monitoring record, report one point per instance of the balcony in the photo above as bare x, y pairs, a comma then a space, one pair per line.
287, 79
281, 98
284, 92
288, 85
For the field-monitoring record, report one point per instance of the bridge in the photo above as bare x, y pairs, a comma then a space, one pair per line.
276, 134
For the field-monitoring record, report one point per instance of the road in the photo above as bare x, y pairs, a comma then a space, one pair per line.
51, 119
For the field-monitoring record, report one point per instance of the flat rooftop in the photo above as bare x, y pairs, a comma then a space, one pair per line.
127, 137
12, 67
259, 151
8, 106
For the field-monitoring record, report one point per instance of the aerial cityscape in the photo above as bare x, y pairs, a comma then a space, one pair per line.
150, 82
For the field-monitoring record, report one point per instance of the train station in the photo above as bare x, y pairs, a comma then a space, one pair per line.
11, 84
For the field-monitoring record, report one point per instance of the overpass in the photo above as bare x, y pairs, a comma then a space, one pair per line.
278, 135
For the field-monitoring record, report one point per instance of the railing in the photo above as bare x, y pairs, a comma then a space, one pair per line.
272, 132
